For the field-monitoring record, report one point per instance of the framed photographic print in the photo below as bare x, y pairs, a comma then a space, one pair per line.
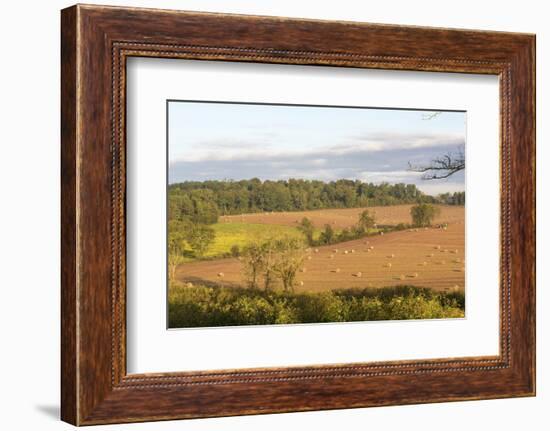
265, 215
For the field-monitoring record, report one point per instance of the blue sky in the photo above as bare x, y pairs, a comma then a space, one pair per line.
241, 141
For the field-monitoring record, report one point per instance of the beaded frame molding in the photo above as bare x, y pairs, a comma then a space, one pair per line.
95, 42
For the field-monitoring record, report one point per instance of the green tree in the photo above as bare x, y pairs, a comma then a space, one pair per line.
174, 260
423, 214
366, 220
307, 228
254, 263
289, 258
327, 236
178, 232
199, 238
269, 249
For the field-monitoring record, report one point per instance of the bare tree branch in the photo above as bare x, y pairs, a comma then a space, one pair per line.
431, 115
442, 167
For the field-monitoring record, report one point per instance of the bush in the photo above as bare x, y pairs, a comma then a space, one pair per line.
423, 214
202, 306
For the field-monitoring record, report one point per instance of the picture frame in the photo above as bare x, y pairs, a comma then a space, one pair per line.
96, 42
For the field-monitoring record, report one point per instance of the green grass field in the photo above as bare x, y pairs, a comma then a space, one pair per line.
242, 234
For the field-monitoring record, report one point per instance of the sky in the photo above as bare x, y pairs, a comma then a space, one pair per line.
234, 141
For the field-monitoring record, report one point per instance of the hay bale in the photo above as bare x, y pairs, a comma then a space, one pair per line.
358, 274
303, 269
220, 274
388, 265
189, 284
301, 283
336, 270
309, 258
316, 250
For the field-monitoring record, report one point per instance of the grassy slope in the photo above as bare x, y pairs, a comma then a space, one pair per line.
242, 234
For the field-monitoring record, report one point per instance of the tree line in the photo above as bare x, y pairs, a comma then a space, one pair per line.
203, 202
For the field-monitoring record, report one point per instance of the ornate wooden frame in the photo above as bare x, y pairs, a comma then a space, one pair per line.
96, 41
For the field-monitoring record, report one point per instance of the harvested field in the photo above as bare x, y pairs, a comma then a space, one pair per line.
430, 257
345, 217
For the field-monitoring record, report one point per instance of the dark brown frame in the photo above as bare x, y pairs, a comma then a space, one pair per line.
96, 41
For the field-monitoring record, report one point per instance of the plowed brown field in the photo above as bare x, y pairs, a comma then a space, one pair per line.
342, 218
422, 257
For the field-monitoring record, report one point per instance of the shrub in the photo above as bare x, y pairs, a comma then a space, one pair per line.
201, 306
423, 214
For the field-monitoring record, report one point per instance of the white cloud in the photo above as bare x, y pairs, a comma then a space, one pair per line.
218, 150
389, 176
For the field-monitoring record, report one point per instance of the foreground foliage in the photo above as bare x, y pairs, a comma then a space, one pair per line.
200, 306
